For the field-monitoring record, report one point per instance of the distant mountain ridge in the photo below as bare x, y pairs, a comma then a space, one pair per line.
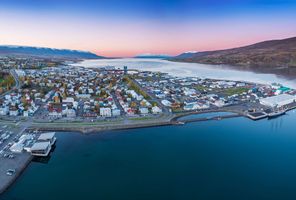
46, 52
148, 55
185, 55
272, 53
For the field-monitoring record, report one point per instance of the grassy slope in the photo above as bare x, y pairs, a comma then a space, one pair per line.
274, 53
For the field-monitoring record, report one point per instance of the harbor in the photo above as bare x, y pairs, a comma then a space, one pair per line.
18, 150
137, 159
20, 144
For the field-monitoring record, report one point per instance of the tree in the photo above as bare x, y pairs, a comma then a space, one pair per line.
133, 104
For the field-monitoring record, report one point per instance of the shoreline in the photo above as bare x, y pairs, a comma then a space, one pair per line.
4, 186
199, 69
165, 121
97, 128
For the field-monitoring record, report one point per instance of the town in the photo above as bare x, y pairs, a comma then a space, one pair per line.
47, 99
83, 94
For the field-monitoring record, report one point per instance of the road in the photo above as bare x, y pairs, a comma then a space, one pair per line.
17, 83
153, 98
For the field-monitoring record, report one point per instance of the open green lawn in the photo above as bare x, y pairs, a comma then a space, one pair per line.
200, 87
141, 118
232, 91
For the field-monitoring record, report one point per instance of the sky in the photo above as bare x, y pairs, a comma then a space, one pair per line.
125, 28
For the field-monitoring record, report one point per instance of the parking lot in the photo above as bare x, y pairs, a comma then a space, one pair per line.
11, 164
16, 164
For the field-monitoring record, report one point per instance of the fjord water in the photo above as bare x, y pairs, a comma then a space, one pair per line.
182, 69
228, 159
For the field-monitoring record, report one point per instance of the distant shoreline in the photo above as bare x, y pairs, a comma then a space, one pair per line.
185, 69
288, 73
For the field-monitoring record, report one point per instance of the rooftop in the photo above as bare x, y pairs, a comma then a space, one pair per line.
40, 146
46, 136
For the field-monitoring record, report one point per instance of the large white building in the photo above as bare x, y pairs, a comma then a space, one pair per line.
41, 149
278, 101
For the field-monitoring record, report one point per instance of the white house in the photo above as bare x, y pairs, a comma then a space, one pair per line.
26, 113
4, 110
105, 112
219, 103
156, 110
71, 113
115, 112
144, 110
13, 112
166, 103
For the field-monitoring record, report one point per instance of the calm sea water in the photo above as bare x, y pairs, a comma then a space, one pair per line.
228, 159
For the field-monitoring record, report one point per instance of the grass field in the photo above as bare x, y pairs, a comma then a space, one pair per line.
232, 91
200, 87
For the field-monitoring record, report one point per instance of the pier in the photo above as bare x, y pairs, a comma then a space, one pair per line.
18, 163
257, 115
200, 119
16, 152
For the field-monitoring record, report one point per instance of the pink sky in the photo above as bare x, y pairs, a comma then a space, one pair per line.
126, 38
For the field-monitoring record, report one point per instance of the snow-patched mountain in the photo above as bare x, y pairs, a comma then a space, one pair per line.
269, 54
150, 55
187, 54
46, 52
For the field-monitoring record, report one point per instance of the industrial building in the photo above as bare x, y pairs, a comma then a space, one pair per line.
278, 101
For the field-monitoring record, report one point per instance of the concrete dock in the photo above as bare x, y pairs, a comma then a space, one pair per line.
210, 118
18, 163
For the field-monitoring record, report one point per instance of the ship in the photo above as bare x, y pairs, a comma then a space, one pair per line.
275, 114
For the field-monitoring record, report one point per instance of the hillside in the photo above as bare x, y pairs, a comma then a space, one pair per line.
46, 52
273, 53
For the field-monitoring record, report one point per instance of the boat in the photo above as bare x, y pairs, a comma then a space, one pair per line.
276, 114
180, 123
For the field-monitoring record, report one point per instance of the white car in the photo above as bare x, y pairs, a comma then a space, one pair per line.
10, 172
